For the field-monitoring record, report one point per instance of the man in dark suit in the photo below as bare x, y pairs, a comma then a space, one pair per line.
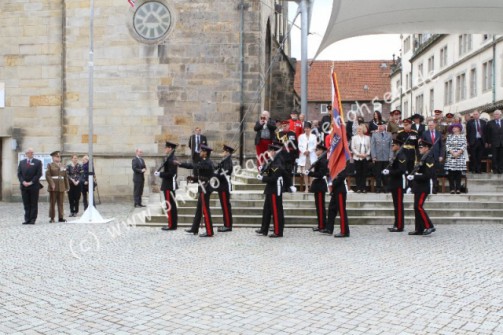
195, 142
494, 140
475, 130
139, 169
169, 186
29, 172
434, 136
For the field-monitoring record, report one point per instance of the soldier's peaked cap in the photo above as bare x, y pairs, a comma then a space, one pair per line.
229, 149
171, 145
206, 148
55, 153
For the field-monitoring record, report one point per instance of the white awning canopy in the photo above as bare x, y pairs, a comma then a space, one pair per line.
352, 18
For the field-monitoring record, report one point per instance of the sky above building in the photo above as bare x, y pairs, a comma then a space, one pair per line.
359, 48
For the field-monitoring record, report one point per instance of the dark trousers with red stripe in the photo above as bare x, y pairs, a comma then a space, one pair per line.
225, 202
319, 200
397, 195
338, 205
422, 219
203, 211
172, 211
273, 205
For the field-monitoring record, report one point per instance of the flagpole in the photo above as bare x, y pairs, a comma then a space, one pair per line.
91, 214
304, 27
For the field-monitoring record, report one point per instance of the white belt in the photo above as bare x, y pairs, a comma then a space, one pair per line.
57, 177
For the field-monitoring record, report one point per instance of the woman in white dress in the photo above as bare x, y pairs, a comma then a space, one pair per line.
307, 154
360, 146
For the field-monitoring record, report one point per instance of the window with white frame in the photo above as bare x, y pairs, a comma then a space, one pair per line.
419, 104
473, 83
431, 65
461, 87
443, 57
448, 92
354, 107
378, 107
465, 44
406, 45
432, 100
323, 108
487, 76
406, 108
420, 73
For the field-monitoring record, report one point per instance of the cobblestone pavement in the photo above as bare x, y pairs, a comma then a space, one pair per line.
105, 278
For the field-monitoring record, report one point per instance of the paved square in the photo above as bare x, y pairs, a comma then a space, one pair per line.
114, 279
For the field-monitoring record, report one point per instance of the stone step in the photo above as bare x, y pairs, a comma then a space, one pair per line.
361, 212
255, 195
305, 222
351, 203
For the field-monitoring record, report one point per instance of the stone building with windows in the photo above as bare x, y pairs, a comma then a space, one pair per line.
160, 69
364, 87
454, 73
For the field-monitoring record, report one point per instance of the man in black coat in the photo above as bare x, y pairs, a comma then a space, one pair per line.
290, 153
494, 140
338, 203
169, 186
29, 172
139, 168
475, 130
204, 170
224, 173
396, 184
422, 177
319, 186
195, 143
264, 128
272, 173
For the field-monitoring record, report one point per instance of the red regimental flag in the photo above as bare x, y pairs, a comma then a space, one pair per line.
338, 153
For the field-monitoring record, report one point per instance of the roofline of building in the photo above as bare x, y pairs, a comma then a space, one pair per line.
434, 39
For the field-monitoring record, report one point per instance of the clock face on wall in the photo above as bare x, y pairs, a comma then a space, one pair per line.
152, 21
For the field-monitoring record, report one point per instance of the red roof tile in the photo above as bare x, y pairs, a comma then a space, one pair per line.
352, 77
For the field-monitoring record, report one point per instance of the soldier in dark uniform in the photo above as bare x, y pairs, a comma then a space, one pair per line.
58, 184
396, 173
289, 154
338, 203
422, 176
169, 185
319, 186
204, 170
272, 174
410, 139
224, 173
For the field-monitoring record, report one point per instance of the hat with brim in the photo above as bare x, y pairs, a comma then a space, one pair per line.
171, 145
396, 112
229, 149
273, 147
321, 147
418, 116
424, 144
55, 153
407, 121
437, 111
206, 148
455, 125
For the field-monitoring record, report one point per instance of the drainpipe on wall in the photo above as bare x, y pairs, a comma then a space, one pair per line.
494, 69
241, 82
63, 75
411, 85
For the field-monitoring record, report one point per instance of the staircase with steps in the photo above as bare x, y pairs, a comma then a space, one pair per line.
483, 204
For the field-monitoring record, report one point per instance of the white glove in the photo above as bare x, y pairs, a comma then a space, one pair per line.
306, 173
259, 177
410, 177
157, 173
296, 161
260, 168
385, 172
293, 189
